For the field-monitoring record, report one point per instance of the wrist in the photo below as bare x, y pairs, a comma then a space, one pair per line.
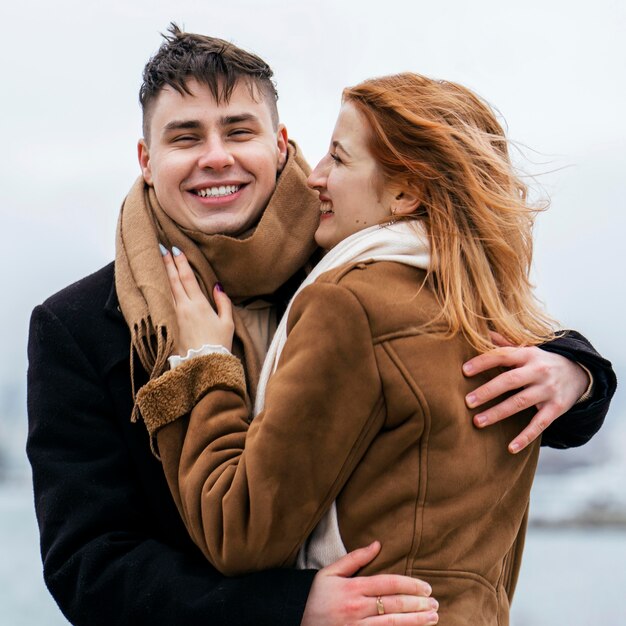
176, 360
589, 390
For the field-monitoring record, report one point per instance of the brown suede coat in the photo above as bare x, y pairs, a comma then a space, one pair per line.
364, 408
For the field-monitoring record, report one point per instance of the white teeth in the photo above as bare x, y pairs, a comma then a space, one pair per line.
325, 207
218, 192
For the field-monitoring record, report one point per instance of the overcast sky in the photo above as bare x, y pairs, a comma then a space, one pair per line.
70, 121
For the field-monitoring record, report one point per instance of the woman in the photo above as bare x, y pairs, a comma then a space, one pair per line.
361, 429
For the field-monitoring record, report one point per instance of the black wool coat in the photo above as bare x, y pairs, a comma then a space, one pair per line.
114, 548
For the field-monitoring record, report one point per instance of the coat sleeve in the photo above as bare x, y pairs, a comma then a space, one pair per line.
103, 562
582, 421
250, 494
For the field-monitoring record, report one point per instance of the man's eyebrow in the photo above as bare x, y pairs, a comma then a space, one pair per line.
338, 144
182, 125
229, 120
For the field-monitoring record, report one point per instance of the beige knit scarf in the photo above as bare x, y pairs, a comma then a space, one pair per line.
253, 266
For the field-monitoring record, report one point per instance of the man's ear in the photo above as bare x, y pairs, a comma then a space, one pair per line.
282, 142
143, 154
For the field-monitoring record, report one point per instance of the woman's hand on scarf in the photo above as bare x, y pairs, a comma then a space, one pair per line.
198, 323
542, 379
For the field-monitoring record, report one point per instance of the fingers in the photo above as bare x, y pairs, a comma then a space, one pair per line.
187, 277
336, 598
529, 397
503, 383
498, 357
398, 609
404, 619
544, 417
401, 610
198, 323
184, 283
499, 340
353, 561
222, 303
178, 291
393, 584
538, 378
408, 604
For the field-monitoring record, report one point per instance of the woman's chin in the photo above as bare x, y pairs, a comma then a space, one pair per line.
322, 239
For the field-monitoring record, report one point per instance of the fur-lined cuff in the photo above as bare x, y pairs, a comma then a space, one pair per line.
175, 393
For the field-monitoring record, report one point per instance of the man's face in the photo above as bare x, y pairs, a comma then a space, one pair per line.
213, 166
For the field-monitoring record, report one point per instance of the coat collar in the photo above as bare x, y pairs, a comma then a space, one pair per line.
117, 339
112, 304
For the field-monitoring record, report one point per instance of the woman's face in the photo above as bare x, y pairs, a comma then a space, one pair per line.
349, 182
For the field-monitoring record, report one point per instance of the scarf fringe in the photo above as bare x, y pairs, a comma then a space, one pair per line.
153, 347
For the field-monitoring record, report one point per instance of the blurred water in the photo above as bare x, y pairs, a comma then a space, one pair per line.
572, 578
569, 577
24, 599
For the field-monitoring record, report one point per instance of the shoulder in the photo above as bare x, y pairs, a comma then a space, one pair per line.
366, 277
85, 313
88, 293
393, 295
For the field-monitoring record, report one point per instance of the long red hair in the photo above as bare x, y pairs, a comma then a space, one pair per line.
444, 143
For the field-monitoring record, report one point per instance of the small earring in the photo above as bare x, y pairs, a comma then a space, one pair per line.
393, 219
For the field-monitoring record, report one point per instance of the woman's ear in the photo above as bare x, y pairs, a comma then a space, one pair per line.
405, 202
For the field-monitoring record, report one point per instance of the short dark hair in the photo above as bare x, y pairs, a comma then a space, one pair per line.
213, 62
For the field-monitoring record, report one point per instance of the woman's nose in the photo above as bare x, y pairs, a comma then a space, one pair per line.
317, 178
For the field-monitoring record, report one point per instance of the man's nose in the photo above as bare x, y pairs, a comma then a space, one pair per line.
215, 155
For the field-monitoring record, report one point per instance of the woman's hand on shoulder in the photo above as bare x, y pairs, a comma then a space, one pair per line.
546, 380
198, 323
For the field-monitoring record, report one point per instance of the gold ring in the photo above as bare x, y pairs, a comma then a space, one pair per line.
380, 607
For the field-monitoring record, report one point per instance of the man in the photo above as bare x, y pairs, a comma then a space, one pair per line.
215, 161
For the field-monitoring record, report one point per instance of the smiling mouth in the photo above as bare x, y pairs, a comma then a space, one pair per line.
325, 208
220, 191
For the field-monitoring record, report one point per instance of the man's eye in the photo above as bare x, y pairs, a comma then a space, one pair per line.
182, 138
240, 132
334, 157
